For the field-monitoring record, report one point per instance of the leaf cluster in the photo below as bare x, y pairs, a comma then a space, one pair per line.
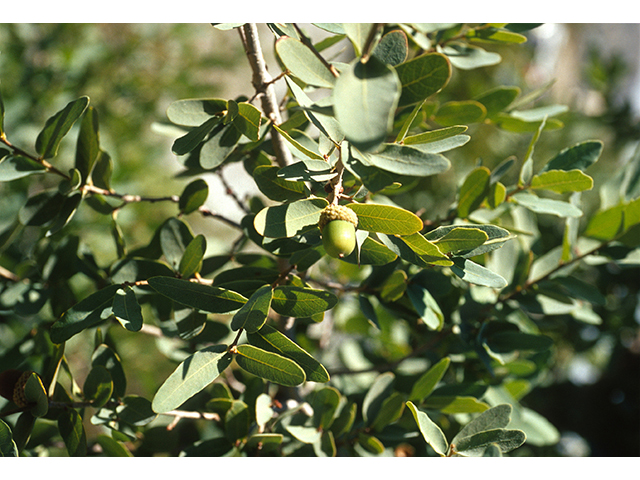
433, 328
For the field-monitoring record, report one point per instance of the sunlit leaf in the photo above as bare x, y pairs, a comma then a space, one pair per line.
364, 101
127, 310
431, 432
386, 219
253, 314
286, 220
270, 366
429, 380
423, 76
192, 375
579, 156
303, 63
195, 295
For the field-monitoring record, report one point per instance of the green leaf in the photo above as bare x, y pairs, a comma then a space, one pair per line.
88, 145
192, 375
513, 124
36, 394
191, 261
67, 210
463, 112
326, 123
370, 443
194, 137
494, 418
431, 432
435, 135
303, 63
423, 76
455, 404
127, 310
390, 411
85, 314
606, 224
538, 114
105, 356
193, 112
112, 448
344, 421
248, 121
287, 220
428, 251
219, 146
174, 235
298, 146
496, 236
429, 380
253, 314
8, 447
364, 98
236, 421
135, 411
444, 145
426, 306
57, 126
195, 295
386, 219
73, 433
495, 35
325, 405
475, 445
357, 34
473, 273
461, 239
406, 160
300, 302
13, 167
498, 99
269, 366
371, 252
270, 339
379, 391
392, 48
277, 188
546, 205
98, 386
562, 181
308, 170
579, 156
473, 191
193, 196
308, 435
468, 57
393, 287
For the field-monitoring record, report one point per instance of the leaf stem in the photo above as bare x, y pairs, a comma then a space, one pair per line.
41, 161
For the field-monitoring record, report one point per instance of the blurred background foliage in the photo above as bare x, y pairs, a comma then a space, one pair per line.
132, 72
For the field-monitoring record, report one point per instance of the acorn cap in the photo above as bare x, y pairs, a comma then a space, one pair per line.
337, 212
19, 397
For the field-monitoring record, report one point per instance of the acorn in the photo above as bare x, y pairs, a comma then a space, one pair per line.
338, 226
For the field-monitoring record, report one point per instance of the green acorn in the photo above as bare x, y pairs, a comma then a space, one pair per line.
338, 226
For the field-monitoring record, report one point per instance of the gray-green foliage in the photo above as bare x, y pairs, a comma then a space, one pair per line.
263, 339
